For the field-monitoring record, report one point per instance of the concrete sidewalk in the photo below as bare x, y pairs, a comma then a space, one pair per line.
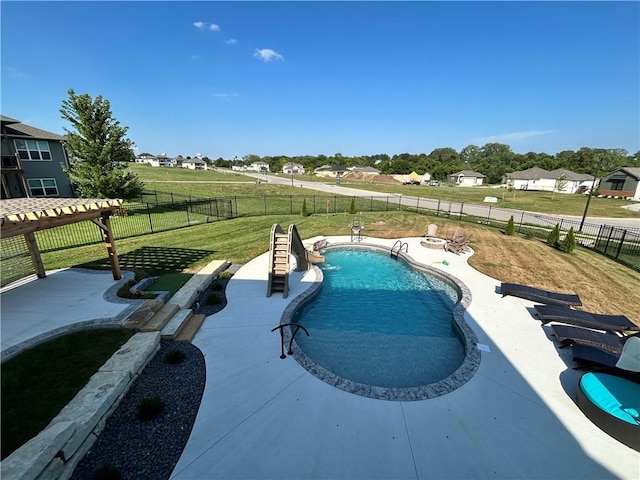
263, 417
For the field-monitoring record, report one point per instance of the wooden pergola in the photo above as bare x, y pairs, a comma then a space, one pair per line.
24, 216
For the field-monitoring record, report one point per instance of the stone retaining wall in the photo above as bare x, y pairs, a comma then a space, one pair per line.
56, 450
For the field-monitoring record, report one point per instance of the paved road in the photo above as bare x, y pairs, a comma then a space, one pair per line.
496, 213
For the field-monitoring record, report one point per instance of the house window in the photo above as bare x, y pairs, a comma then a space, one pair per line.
43, 187
617, 184
33, 149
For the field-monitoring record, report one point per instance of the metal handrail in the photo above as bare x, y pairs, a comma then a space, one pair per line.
280, 327
399, 245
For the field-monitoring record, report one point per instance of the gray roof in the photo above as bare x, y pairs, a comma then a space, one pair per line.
633, 171
537, 173
468, 173
14, 128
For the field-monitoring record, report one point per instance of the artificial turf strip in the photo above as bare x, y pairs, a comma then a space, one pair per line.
171, 282
39, 382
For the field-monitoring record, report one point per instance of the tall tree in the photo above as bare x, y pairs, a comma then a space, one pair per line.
97, 145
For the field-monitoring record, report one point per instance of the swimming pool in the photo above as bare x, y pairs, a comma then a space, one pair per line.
385, 328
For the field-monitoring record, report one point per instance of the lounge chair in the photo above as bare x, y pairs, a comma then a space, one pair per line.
459, 243
610, 342
588, 354
539, 295
432, 231
560, 313
609, 398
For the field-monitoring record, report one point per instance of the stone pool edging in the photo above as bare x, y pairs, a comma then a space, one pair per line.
462, 375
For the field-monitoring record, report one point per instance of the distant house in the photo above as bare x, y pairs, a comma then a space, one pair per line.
32, 161
624, 182
259, 167
329, 171
536, 178
194, 164
239, 167
467, 178
292, 168
155, 160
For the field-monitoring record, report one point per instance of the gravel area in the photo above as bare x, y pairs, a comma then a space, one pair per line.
151, 449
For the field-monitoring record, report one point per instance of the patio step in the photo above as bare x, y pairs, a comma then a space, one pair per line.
190, 328
143, 313
160, 319
175, 324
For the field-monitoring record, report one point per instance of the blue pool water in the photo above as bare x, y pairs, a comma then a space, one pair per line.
378, 322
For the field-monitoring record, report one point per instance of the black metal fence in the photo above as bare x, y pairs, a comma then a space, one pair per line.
162, 211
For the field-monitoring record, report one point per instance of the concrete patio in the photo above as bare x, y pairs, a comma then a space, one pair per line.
263, 417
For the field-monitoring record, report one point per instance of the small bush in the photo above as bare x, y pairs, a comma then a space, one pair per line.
106, 471
510, 228
304, 212
217, 286
174, 356
150, 408
553, 238
352, 207
569, 242
226, 275
214, 298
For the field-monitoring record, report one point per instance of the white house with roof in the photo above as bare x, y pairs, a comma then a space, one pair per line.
329, 171
467, 178
293, 168
559, 180
194, 164
364, 169
259, 166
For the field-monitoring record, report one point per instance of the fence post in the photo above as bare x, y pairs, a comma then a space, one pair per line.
597, 242
417, 204
217, 209
606, 246
521, 221
156, 194
489, 216
149, 215
371, 204
186, 204
624, 234
387, 203
171, 198
314, 204
291, 203
438, 209
264, 198
461, 209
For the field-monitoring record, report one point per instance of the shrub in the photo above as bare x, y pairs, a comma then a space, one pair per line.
106, 471
214, 298
553, 238
569, 242
217, 286
352, 206
226, 275
150, 408
304, 212
510, 228
174, 356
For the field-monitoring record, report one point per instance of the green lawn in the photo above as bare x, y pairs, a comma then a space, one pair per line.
38, 383
542, 202
171, 282
147, 173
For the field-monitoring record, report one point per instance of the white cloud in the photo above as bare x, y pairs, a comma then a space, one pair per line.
267, 55
513, 136
231, 41
225, 97
207, 26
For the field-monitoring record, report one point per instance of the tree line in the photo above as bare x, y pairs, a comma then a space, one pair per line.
492, 160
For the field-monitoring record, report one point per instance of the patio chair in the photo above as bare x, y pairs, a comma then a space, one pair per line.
432, 231
459, 243
560, 313
607, 341
539, 295
609, 398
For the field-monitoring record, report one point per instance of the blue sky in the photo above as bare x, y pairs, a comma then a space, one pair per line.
358, 78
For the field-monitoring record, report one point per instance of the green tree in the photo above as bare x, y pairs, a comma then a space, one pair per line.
352, 207
304, 212
560, 185
98, 149
553, 238
569, 242
510, 229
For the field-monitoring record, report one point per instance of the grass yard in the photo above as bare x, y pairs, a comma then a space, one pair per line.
604, 285
33, 389
147, 173
171, 282
541, 202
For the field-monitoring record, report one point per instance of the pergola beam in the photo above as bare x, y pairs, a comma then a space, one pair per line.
24, 216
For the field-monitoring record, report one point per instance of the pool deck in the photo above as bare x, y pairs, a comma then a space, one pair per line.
263, 417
